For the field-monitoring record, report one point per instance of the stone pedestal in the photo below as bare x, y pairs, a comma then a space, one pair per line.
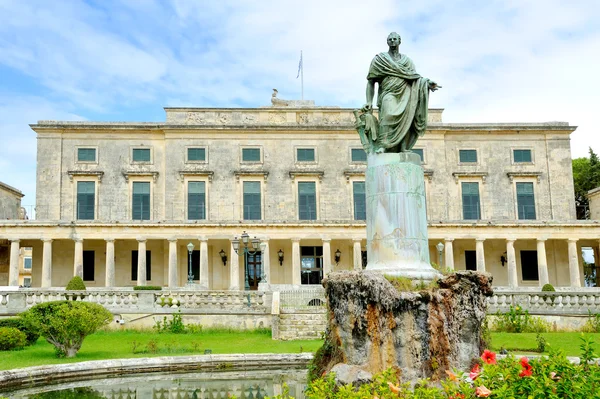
397, 243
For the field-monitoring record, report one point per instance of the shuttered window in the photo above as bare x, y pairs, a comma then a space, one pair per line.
86, 201
305, 154
251, 154
467, 156
522, 156
86, 154
525, 201
307, 201
470, 199
141, 155
252, 206
196, 200
358, 155
196, 154
360, 209
140, 207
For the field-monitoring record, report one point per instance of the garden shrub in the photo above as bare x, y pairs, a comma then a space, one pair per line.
548, 288
12, 338
147, 288
65, 324
76, 284
553, 376
593, 322
517, 320
20, 324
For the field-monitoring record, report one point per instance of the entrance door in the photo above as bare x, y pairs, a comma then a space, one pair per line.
254, 270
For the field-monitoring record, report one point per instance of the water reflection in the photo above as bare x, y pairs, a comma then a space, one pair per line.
215, 385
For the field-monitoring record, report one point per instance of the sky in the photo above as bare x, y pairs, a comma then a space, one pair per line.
109, 60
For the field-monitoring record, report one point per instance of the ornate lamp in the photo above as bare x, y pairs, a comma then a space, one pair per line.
280, 257
337, 257
223, 257
190, 248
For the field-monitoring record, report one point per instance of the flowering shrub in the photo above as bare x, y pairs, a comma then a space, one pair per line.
549, 377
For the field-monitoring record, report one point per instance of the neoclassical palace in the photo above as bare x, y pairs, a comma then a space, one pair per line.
125, 204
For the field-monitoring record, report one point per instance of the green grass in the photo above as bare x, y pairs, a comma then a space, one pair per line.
119, 344
567, 341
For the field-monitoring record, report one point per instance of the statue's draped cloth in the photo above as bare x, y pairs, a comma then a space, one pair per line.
402, 100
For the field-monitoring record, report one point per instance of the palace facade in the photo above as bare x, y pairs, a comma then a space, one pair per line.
120, 203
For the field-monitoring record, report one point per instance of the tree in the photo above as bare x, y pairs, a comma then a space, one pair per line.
65, 324
586, 176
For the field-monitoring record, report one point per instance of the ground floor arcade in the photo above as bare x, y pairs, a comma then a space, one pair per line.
112, 255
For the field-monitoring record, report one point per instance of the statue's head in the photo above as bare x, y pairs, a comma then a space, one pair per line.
394, 39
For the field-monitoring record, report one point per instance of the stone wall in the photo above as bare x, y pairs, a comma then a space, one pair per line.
10, 202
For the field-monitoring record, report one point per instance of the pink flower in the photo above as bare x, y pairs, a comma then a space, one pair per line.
475, 371
488, 357
482, 392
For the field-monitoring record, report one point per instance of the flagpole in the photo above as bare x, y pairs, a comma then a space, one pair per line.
302, 74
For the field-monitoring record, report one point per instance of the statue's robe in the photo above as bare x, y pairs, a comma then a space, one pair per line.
402, 101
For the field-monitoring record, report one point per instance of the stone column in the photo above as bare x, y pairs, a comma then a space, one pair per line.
109, 280
327, 256
47, 264
13, 271
234, 269
173, 276
480, 254
513, 281
141, 264
449, 253
296, 276
78, 261
542, 262
357, 258
266, 260
574, 263
203, 280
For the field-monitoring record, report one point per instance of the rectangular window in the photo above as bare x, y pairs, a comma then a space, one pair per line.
470, 260
88, 265
141, 155
358, 155
251, 154
360, 204
134, 268
252, 206
305, 154
254, 271
86, 154
307, 201
196, 200
27, 282
529, 266
140, 203
522, 156
311, 263
419, 151
525, 201
196, 154
195, 265
86, 201
27, 263
467, 156
470, 199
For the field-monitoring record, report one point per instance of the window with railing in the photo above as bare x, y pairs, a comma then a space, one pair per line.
360, 204
252, 201
525, 201
86, 201
470, 201
196, 200
140, 207
307, 201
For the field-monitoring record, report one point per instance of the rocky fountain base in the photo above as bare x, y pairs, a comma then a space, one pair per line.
372, 326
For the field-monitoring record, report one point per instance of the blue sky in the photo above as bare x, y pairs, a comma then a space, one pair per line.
498, 61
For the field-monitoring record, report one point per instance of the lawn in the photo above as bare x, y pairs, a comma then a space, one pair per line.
121, 344
131, 344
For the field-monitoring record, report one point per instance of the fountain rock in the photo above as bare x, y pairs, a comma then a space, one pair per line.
373, 326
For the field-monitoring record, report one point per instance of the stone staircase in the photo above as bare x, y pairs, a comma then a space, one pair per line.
302, 324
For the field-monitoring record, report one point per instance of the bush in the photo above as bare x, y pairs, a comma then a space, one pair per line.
20, 324
516, 320
548, 288
547, 377
65, 324
76, 284
147, 288
12, 338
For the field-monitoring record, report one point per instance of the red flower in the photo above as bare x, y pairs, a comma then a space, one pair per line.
527, 369
488, 357
475, 371
457, 396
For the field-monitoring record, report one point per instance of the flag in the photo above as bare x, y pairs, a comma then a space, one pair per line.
299, 65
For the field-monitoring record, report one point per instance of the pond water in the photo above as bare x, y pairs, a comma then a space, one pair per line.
201, 385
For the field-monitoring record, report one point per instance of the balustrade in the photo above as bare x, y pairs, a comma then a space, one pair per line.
546, 303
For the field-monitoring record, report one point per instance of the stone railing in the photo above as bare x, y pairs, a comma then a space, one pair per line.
546, 303
129, 301
303, 300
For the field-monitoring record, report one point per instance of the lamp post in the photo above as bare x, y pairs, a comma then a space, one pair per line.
440, 248
249, 247
190, 248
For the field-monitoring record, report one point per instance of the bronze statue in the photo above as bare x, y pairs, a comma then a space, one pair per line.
402, 102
